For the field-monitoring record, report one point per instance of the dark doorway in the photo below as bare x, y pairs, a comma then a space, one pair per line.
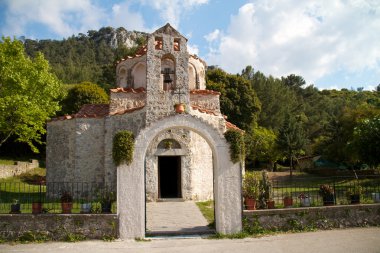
169, 177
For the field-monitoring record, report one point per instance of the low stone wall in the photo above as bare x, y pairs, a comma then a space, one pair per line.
17, 169
59, 226
327, 217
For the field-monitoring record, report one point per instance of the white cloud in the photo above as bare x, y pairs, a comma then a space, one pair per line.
171, 11
63, 18
212, 36
310, 38
123, 17
192, 49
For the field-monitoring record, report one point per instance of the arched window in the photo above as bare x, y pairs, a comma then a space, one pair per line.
139, 75
192, 77
168, 78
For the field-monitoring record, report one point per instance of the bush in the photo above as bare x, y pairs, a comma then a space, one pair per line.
237, 147
81, 94
123, 147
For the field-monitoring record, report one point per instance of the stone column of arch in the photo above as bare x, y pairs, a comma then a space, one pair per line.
227, 179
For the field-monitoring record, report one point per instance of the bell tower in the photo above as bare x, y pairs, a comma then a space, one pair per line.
167, 72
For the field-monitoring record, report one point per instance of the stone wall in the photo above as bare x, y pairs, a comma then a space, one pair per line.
17, 169
121, 101
89, 151
59, 226
327, 217
60, 150
206, 101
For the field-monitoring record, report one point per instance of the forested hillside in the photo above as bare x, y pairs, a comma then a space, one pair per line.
87, 57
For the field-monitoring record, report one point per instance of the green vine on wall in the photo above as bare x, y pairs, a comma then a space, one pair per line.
123, 147
237, 147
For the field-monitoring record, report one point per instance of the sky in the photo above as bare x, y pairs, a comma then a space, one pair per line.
332, 44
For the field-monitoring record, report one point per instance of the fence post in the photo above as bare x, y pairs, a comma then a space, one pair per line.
334, 191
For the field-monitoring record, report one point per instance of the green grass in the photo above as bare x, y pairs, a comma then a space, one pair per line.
207, 209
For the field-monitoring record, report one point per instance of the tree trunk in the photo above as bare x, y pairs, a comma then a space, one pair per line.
291, 166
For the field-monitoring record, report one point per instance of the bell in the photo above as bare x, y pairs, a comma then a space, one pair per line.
167, 78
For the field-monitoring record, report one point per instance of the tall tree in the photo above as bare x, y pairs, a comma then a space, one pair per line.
291, 139
238, 100
29, 94
367, 141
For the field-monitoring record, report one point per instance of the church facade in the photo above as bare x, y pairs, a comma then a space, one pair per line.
179, 162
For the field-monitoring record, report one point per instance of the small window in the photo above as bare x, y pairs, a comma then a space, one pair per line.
176, 44
158, 43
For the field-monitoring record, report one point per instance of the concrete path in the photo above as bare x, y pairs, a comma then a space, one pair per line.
175, 217
360, 240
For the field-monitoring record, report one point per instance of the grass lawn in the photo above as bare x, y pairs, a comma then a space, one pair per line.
207, 209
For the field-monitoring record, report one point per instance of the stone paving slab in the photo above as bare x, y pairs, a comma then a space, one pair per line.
175, 218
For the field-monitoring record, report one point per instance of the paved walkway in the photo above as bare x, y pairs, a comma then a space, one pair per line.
175, 217
359, 240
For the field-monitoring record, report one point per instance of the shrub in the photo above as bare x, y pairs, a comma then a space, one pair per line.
237, 147
123, 147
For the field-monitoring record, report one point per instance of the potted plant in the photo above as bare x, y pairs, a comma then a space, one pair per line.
327, 193
66, 202
267, 191
15, 206
305, 200
288, 200
168, 144
353, 194
251, 186
106, 198
36, 207
179, 107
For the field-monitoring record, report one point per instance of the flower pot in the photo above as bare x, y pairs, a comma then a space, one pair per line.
36, 207
250, 204
305, 202
15, 208
328, 200
106, 207
85, 208
376, 197
288, 202
66, 207
179, 108
270, 204
355, 199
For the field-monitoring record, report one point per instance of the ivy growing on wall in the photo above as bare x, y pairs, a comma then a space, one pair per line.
123, 147
237, 148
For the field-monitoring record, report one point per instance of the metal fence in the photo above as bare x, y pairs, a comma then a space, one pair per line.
26, 195
306, 191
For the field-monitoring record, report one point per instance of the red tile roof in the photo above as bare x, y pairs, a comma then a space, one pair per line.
126, 110
211, 112
205, 92
93, 111
229, 125
127, 90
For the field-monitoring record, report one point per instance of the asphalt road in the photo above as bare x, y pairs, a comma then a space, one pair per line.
366, 240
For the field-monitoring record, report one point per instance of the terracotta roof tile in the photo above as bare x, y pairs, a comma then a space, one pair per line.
128, 90
140, 52
211, 112
205, 92
126, 111
93, 111
229, 125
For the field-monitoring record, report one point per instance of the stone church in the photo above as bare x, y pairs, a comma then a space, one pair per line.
178, 162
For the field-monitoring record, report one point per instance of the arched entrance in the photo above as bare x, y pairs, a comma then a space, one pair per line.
227, 179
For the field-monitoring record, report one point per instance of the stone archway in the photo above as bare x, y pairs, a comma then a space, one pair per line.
227, 179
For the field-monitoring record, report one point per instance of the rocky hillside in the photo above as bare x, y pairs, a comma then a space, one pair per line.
88, 57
